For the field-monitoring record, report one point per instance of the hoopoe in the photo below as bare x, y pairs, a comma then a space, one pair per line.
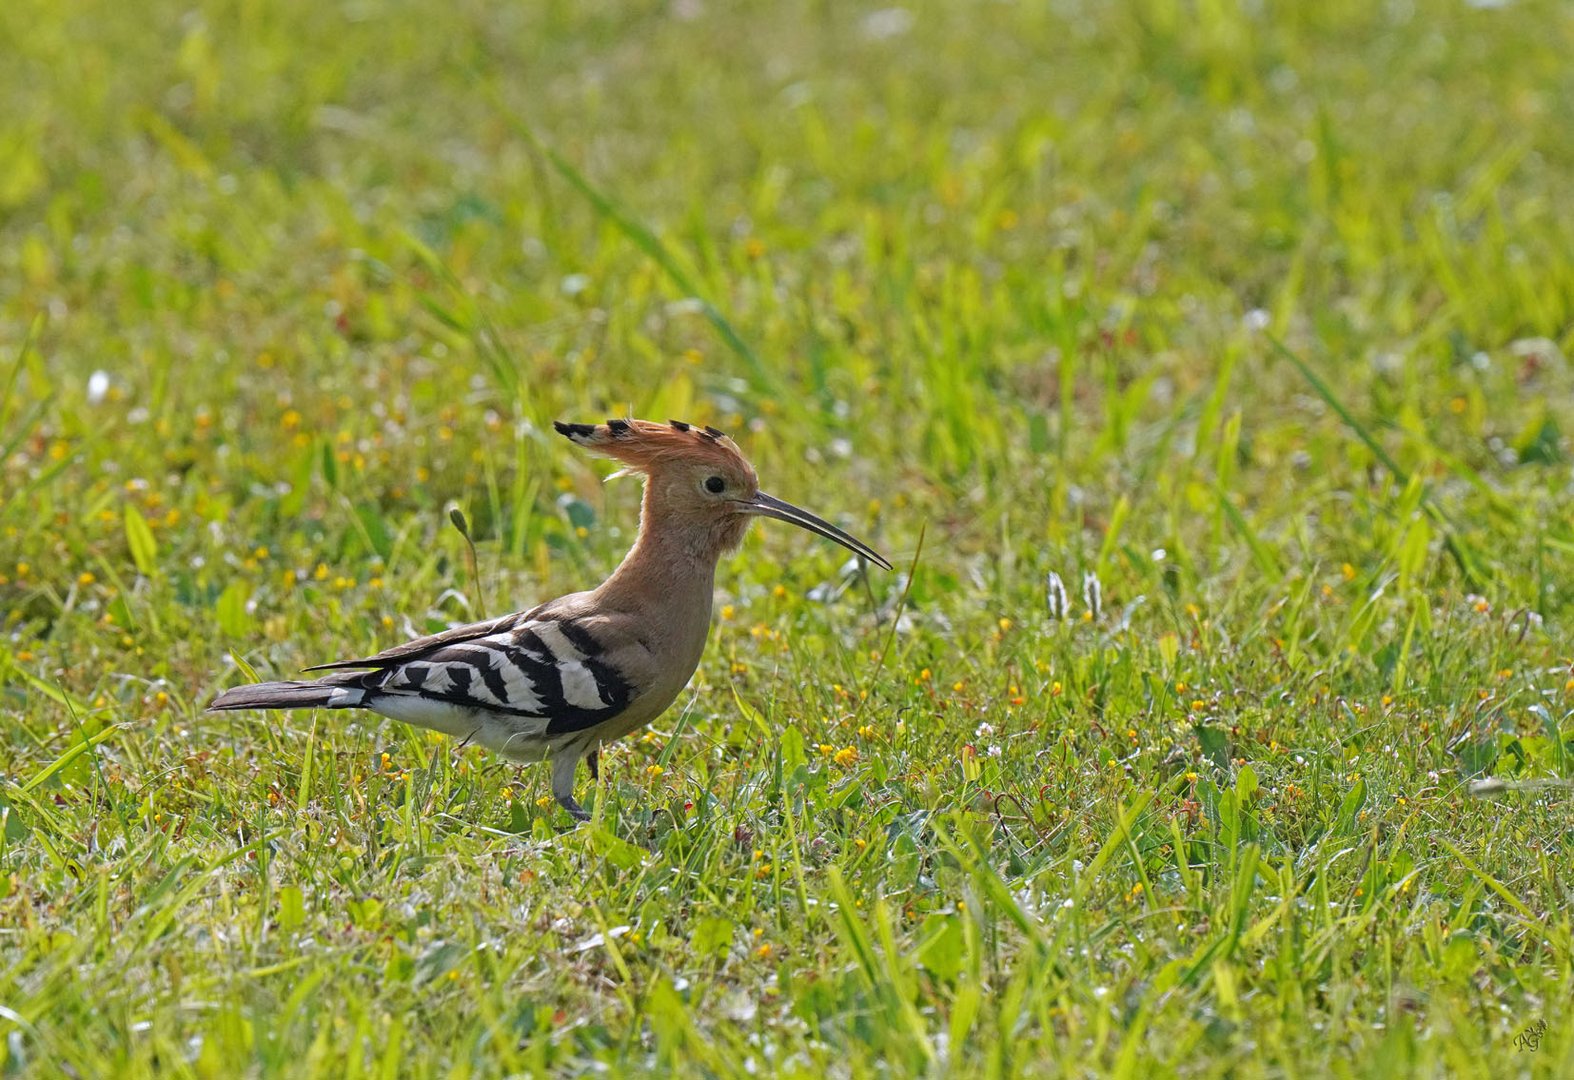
560, 680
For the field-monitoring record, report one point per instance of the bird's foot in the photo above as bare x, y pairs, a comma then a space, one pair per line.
575, 811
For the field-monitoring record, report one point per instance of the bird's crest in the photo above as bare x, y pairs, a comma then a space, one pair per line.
646, 444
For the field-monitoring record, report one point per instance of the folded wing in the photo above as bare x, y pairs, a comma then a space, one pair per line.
550, 669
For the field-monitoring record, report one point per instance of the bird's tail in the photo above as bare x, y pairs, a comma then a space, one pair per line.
322, 694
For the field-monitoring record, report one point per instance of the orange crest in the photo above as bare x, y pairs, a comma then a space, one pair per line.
647, 446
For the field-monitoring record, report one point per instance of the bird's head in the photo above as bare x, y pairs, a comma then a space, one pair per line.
697, 480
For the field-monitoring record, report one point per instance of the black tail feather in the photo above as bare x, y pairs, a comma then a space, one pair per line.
289, 695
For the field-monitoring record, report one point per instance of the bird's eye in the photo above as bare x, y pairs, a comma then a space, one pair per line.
715, 485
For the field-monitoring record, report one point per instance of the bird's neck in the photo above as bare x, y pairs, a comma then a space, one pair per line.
671, 567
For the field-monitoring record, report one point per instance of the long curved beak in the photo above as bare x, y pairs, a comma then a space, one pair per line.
770, 506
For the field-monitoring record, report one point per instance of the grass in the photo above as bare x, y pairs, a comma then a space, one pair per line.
1260, 315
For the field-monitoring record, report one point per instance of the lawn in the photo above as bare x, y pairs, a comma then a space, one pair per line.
1251, 322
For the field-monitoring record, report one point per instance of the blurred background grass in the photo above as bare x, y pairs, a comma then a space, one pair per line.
283, 281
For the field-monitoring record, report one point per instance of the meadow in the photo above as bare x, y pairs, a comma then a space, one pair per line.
1251, 322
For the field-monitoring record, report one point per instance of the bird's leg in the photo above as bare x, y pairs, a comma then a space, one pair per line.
563, 785
593, 763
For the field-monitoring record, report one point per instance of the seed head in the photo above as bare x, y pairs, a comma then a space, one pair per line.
1092, 593
1055, 596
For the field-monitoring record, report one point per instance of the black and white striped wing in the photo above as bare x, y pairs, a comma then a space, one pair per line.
543, 669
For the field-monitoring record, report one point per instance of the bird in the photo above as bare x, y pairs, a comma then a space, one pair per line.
559, 681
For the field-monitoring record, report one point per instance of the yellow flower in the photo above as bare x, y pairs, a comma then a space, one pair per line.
727, 611
654, 770
86, 578
321, 573
846, 757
